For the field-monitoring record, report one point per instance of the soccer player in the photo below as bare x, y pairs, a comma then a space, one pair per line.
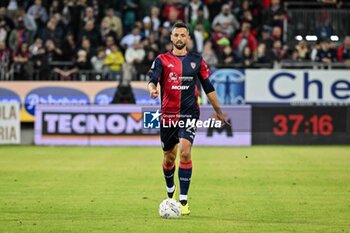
177, 72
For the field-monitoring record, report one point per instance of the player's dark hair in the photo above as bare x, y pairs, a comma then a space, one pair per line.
180, 25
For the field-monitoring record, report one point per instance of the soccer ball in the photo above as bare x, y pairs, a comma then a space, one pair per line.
169, 208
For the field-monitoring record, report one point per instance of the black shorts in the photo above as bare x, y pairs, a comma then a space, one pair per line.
170, 136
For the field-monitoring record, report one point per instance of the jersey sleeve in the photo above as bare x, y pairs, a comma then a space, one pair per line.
204, 73
156, 71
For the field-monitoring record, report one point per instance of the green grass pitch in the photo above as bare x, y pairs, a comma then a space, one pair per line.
118, 189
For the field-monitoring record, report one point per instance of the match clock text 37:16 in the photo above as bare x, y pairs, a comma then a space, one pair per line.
298, 123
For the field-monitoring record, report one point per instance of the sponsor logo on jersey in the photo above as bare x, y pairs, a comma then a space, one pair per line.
174, 87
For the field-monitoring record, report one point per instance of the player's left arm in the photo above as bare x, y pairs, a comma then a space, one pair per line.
209, 90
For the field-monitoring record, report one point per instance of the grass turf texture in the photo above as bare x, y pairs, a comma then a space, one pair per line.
252, 189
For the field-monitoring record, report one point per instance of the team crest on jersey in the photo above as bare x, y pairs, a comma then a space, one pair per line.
193, 65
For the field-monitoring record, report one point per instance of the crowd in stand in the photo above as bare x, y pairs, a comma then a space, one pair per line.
62, 38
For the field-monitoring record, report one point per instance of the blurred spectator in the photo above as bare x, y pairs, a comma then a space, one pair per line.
90, 33
219, 38
155, 18
262, 56
277, 34
147, 27
3, 32
81, 64
265, 38
53, 53
130, 8
106, 30
23, 69
192, 8
344, 51
56, 7
227, 56
109, 43
52, 32
98, 62
130, 38
275, 15
247, 57
144, 66
114, 61
5, 20
214, 7
18, 35
208, 54
164, 37
324, 28
4, 60
74, 10
245, 38
115, 23
227, 20
88, 15
172, 11
277, 52
29, 24
201, 20
86, 46
198, 37
325, 54
302, 50
69, 47
134, 56
40, 60
38, 12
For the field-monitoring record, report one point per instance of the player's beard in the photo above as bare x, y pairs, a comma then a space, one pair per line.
179, 46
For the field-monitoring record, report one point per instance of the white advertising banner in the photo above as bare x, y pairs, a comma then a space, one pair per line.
130, 125
297, 86
9, 123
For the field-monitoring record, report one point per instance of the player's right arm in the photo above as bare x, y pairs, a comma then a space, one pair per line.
154, 74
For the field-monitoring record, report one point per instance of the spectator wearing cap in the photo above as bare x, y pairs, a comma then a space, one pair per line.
227, 20
344, 51
192, 8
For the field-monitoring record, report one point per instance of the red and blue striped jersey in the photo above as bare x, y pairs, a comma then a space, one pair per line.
177, 77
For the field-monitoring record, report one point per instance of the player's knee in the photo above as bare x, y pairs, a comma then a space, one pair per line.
185, 155
169, 159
